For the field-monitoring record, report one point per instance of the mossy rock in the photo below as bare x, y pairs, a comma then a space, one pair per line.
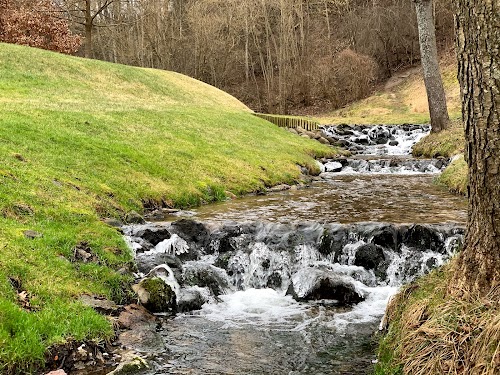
156, 295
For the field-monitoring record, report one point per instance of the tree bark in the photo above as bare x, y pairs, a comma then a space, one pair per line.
430, 65
478, 41
88, 30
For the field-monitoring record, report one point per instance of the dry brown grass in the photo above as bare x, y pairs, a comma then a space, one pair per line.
434, 335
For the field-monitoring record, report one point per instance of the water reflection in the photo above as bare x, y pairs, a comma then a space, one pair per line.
348, 199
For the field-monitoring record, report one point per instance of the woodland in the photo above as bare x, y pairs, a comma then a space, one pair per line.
276, 56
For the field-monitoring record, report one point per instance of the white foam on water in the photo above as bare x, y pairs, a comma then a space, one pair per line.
370, 310
259, 307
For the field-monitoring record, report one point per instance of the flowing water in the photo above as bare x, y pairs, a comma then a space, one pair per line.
296, 282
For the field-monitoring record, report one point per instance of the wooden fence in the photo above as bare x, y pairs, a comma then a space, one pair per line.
289, 121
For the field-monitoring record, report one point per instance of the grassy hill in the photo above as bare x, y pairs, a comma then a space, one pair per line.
81, 140
401, 100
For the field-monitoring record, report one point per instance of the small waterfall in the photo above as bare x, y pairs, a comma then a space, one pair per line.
334, 263
377, 139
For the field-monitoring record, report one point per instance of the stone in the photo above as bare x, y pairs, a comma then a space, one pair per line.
323, 140
333, 240
148, 260
423, 238
154, 235
57, 372
21, 209
131, 364
134, 218
205, 275
230, 195
277, 188
310, 134
19, 157
31, 234
191, 299
304, 136
155, 294
322, 285
292, 130
100, 304
372, 257
191, 231
112, 222
333, 166
385, 236
82, 252
134, 315
393, 143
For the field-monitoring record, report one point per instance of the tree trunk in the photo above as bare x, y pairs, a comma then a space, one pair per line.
478, 38
88, 30
430, 65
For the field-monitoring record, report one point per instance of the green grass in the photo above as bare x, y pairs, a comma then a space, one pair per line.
81, 140
454, 177
447, 143
403, 100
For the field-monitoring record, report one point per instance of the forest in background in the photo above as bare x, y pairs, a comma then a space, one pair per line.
277, 56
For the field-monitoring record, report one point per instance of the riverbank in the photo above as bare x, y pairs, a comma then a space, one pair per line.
428, 332
449, 143
84, 145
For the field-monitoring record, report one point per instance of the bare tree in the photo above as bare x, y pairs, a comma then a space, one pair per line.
430, 65
87, 13
478, 38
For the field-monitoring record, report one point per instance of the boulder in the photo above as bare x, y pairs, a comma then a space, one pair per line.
422, 237
100, 304
155, 294
333, 166
154, 235
314, 284
333, 240
192, 298
134, 218
191, 231
205, 275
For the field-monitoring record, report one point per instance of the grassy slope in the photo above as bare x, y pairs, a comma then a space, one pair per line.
81, 140
403, 100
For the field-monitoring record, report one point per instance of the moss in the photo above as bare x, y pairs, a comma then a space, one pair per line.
455, 176
447, 143
161, 297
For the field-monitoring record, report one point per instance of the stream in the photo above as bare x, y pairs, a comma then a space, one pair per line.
297, 281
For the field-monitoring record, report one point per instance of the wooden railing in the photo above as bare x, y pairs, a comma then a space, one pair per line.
289, 121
